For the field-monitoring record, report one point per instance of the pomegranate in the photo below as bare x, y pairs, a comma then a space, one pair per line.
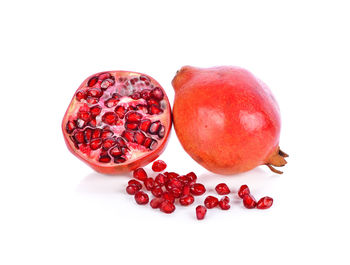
226, 119
117, 121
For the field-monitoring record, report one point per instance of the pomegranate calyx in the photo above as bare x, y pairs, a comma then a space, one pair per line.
277, 160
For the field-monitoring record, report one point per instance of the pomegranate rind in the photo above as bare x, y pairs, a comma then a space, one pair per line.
131, 164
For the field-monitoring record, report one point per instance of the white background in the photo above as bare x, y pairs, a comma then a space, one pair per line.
56, 210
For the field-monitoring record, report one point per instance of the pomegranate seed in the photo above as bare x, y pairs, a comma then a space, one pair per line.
222, 189
171, 175
136, 95
139, 137
154, 128
140, 174
80, 95
265, 203
183, 179
161, 131
96, 144
149, 183
133, 117
121, 142
224, 203
200, 212
186, 200
120, 111
94, 92
156, 202
144, 78
167, 207
106, 133
243, 190
157, 93
107, 83
197, 189
132, 189
112, 102
169, 197
70, 127
176, 192
79, 137
141, 197
152, 102
211, 202
92, 100
161, 179
157, 191
92, 81
129, 136
135, 183
110, 118
131, 126
144, 125
115, 152
104, 158
249, 201
158, 166
186, 190
145, 94
104, 76
108, 143
119, 160
95, 110
155, 110
192, 177
173, 183
88, 134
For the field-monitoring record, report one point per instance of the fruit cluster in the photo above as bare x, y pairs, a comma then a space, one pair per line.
168, 188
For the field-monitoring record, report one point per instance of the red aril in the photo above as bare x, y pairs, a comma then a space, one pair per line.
117, 121
222, 189
141, 197
135, 183
186, 200
192, 178
167, 207
158, 166
249, 201
264, 203
140, 174
200, 212
243, 190
157, 191
224, 203
197, 189
161, 179
168, 197
211, 202
156, 202
235, 116
132, 189
149, 183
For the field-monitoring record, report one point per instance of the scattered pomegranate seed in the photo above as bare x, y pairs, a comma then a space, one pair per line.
156, 202
132, 189
200, 212
222, 189
149, 183
168, 197
197, 189
224, 203
249, 201
211, 202
136, 183
264, 203
176, 192
157, 191
192, 178
186, 200
173, 183
243, 190
161, 179
158, 166
141, 197
186, 190
167, 207
140, 174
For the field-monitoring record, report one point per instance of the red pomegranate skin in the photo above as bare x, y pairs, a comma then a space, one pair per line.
226, 119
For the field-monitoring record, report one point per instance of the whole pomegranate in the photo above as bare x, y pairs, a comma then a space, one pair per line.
117, 121
227, 119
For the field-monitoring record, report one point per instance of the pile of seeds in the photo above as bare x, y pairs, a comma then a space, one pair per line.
169, 188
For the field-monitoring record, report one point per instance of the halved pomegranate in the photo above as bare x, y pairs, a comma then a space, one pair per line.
117, 121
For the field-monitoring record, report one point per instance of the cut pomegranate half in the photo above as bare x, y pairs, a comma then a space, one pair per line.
117, 121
